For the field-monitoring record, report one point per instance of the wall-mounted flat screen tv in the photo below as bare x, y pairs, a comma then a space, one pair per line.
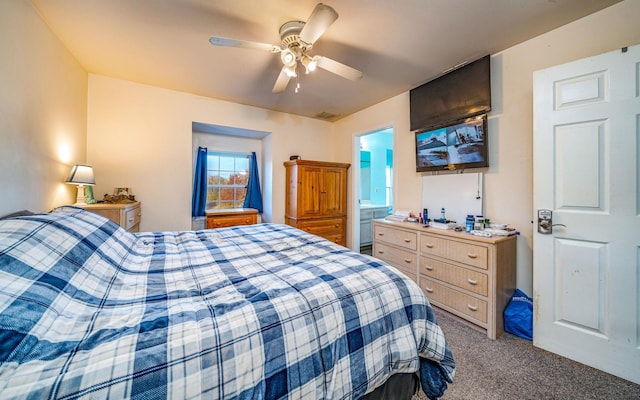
461, 93
455, 146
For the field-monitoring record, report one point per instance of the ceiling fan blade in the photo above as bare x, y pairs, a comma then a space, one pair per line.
282, 81
338, 68
247, 44
319, 21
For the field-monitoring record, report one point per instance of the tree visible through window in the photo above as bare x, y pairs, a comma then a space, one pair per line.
228, 176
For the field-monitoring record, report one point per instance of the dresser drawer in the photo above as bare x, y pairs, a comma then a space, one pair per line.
410, 274
398, 237
397, 257
222, 218
380, 212
127, 215
458, 301
223, 222
473, 281
132, 219
466, 253
366, 214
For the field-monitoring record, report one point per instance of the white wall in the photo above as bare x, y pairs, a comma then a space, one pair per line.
140, 136
508, 183
43, 106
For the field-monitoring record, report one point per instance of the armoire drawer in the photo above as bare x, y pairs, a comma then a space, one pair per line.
322, 227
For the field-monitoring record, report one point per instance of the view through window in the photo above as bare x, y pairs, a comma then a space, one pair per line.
228, 176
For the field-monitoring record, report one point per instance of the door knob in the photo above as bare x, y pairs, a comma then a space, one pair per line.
545, 222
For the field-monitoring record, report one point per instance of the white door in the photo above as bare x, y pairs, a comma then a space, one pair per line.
586, 172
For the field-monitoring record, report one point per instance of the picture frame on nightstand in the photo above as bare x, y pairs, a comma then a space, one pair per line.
122, 191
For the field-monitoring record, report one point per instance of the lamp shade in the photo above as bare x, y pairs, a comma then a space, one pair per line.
81, 175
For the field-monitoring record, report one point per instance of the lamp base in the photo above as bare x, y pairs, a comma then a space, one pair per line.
80, 199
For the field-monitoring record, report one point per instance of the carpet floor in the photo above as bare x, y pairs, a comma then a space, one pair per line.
512, 368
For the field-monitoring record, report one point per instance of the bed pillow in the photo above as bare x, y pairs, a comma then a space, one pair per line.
22, 213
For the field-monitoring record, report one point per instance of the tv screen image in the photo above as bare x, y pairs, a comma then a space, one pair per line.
460, 145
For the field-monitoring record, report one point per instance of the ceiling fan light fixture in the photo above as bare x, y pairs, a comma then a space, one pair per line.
288, 57
290, 71
310, 63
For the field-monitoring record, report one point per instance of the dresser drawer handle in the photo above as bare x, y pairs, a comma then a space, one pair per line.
380, 233
428, 289
472, 308
472, 255
472, 281
407, 240
429, 245
428, 267
337, 225
380, 251
407, 260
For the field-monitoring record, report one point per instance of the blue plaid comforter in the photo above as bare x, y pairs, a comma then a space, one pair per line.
88, 310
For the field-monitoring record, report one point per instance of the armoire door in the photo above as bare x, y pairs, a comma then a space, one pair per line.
333, 193
309, 191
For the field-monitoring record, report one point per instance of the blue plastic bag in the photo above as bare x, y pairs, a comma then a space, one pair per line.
518, 316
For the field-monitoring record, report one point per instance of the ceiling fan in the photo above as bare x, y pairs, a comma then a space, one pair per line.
298, 38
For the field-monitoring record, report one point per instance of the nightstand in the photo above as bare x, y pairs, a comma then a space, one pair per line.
126, 215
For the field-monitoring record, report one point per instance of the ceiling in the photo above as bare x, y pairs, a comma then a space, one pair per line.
398, 45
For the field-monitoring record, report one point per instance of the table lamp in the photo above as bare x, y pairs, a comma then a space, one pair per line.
81, 175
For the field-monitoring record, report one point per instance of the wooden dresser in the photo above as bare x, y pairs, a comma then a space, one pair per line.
221, 218
470, 276
316, 198
126, 215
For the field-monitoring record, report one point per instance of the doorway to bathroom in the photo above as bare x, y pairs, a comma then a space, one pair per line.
376, 182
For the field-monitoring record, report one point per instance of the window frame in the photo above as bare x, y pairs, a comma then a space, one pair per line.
218, 172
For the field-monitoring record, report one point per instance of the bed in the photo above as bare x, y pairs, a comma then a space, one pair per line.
88, 310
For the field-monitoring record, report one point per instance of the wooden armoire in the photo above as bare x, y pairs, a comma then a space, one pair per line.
316, 198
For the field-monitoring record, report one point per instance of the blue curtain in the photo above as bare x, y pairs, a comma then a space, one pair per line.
199, 199
253, 199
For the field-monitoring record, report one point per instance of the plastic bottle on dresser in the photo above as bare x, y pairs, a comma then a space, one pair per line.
469, 223
442, 215
479, 223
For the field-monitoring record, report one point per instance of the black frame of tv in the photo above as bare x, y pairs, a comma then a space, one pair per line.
463, 92
456, 145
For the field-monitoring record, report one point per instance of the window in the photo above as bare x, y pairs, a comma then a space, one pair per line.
228, 176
